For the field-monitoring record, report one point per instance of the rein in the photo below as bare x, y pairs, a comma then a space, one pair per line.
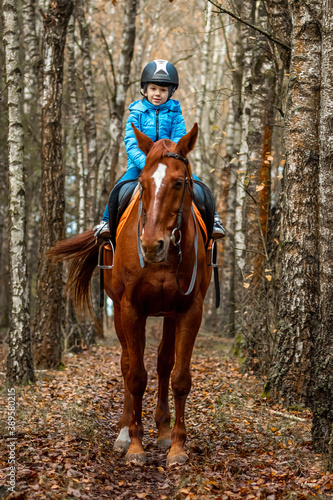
176, 242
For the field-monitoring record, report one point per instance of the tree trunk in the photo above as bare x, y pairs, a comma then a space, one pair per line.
280, 23
118, 100
298, 305
259, 107
31, 107
89, 329
76, 128
4, 251
89, 116
31, 56
201, 112
228, 281
19, 360
321, 393
50, 304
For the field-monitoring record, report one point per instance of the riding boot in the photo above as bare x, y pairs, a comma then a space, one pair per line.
218, 229
204, 200
102, 231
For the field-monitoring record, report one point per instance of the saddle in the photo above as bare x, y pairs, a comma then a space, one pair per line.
122, 194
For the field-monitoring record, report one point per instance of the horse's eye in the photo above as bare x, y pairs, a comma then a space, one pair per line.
178, 184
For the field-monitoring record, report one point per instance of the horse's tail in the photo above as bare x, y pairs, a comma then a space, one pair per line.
82, 251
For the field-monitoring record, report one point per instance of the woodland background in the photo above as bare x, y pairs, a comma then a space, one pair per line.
257, 77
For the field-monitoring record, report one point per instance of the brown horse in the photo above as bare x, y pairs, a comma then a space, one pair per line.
160, 268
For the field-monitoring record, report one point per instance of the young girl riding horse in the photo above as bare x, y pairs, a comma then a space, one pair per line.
159, 117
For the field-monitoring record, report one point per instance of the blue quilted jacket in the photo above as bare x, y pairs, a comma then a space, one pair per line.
158, 122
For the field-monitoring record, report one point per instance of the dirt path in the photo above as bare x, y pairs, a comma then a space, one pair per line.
240, 445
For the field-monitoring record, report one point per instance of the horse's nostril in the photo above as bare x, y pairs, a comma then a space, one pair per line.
160, 245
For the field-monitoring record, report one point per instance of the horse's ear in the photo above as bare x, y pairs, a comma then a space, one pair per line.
187, 142
144, 142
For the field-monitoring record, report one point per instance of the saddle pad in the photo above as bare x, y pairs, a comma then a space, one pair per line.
130, 208
126, 213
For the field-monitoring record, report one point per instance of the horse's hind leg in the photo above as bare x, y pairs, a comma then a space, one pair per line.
123, 441
165, 362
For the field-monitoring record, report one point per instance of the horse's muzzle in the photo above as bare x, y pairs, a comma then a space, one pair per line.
156, 250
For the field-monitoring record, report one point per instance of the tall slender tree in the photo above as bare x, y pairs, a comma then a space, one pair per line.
258, 112
4, 252
290, 374
89, 113
321, 391
19, 361
120, 86
233, 139
50, 305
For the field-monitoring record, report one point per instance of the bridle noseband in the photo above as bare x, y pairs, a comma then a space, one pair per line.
176, 234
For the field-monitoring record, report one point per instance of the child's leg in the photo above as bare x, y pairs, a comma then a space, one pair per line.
218, 229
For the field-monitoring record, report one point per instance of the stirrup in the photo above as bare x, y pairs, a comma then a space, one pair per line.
100, 264
213, 255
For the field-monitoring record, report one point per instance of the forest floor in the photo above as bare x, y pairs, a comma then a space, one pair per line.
240, 444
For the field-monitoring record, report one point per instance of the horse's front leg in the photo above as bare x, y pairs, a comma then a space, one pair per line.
134, 329
187, 327
123, 440
165, 362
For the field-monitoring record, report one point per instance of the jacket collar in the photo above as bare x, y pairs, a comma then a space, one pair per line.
144, 105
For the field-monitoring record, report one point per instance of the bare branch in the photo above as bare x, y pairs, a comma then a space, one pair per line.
222, 10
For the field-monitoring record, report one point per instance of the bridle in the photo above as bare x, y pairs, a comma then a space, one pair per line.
176, 234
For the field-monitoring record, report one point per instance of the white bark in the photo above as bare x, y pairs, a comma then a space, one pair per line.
321, 399
201, 109
298, 301
31, 56
110, 162
76, 126
90, 123
19, 362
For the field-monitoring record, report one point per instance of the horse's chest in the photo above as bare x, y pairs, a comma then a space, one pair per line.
156, 296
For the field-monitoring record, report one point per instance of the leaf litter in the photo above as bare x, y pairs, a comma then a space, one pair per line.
240, 444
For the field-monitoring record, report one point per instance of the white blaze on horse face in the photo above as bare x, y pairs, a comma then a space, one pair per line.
158, 177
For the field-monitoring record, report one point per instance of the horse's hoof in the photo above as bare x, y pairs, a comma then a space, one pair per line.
179, 459
164, 444
121, 446
136, 459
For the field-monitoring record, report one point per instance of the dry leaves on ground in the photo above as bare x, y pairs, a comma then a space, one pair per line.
240, 445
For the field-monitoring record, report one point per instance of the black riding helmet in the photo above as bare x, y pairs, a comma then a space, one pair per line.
161, 73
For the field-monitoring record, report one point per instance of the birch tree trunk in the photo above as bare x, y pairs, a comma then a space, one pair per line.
91, 201
200, 155
31, 107
89, 115
76, 127
50, 304
233, 138
299, 294
31, 56
119, 97
321, 393
280, 23
19, 361
247, 13
260, 110
4, 249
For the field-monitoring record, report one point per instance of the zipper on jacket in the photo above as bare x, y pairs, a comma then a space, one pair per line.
157, 126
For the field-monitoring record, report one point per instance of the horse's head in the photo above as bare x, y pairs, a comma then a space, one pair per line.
166, 184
